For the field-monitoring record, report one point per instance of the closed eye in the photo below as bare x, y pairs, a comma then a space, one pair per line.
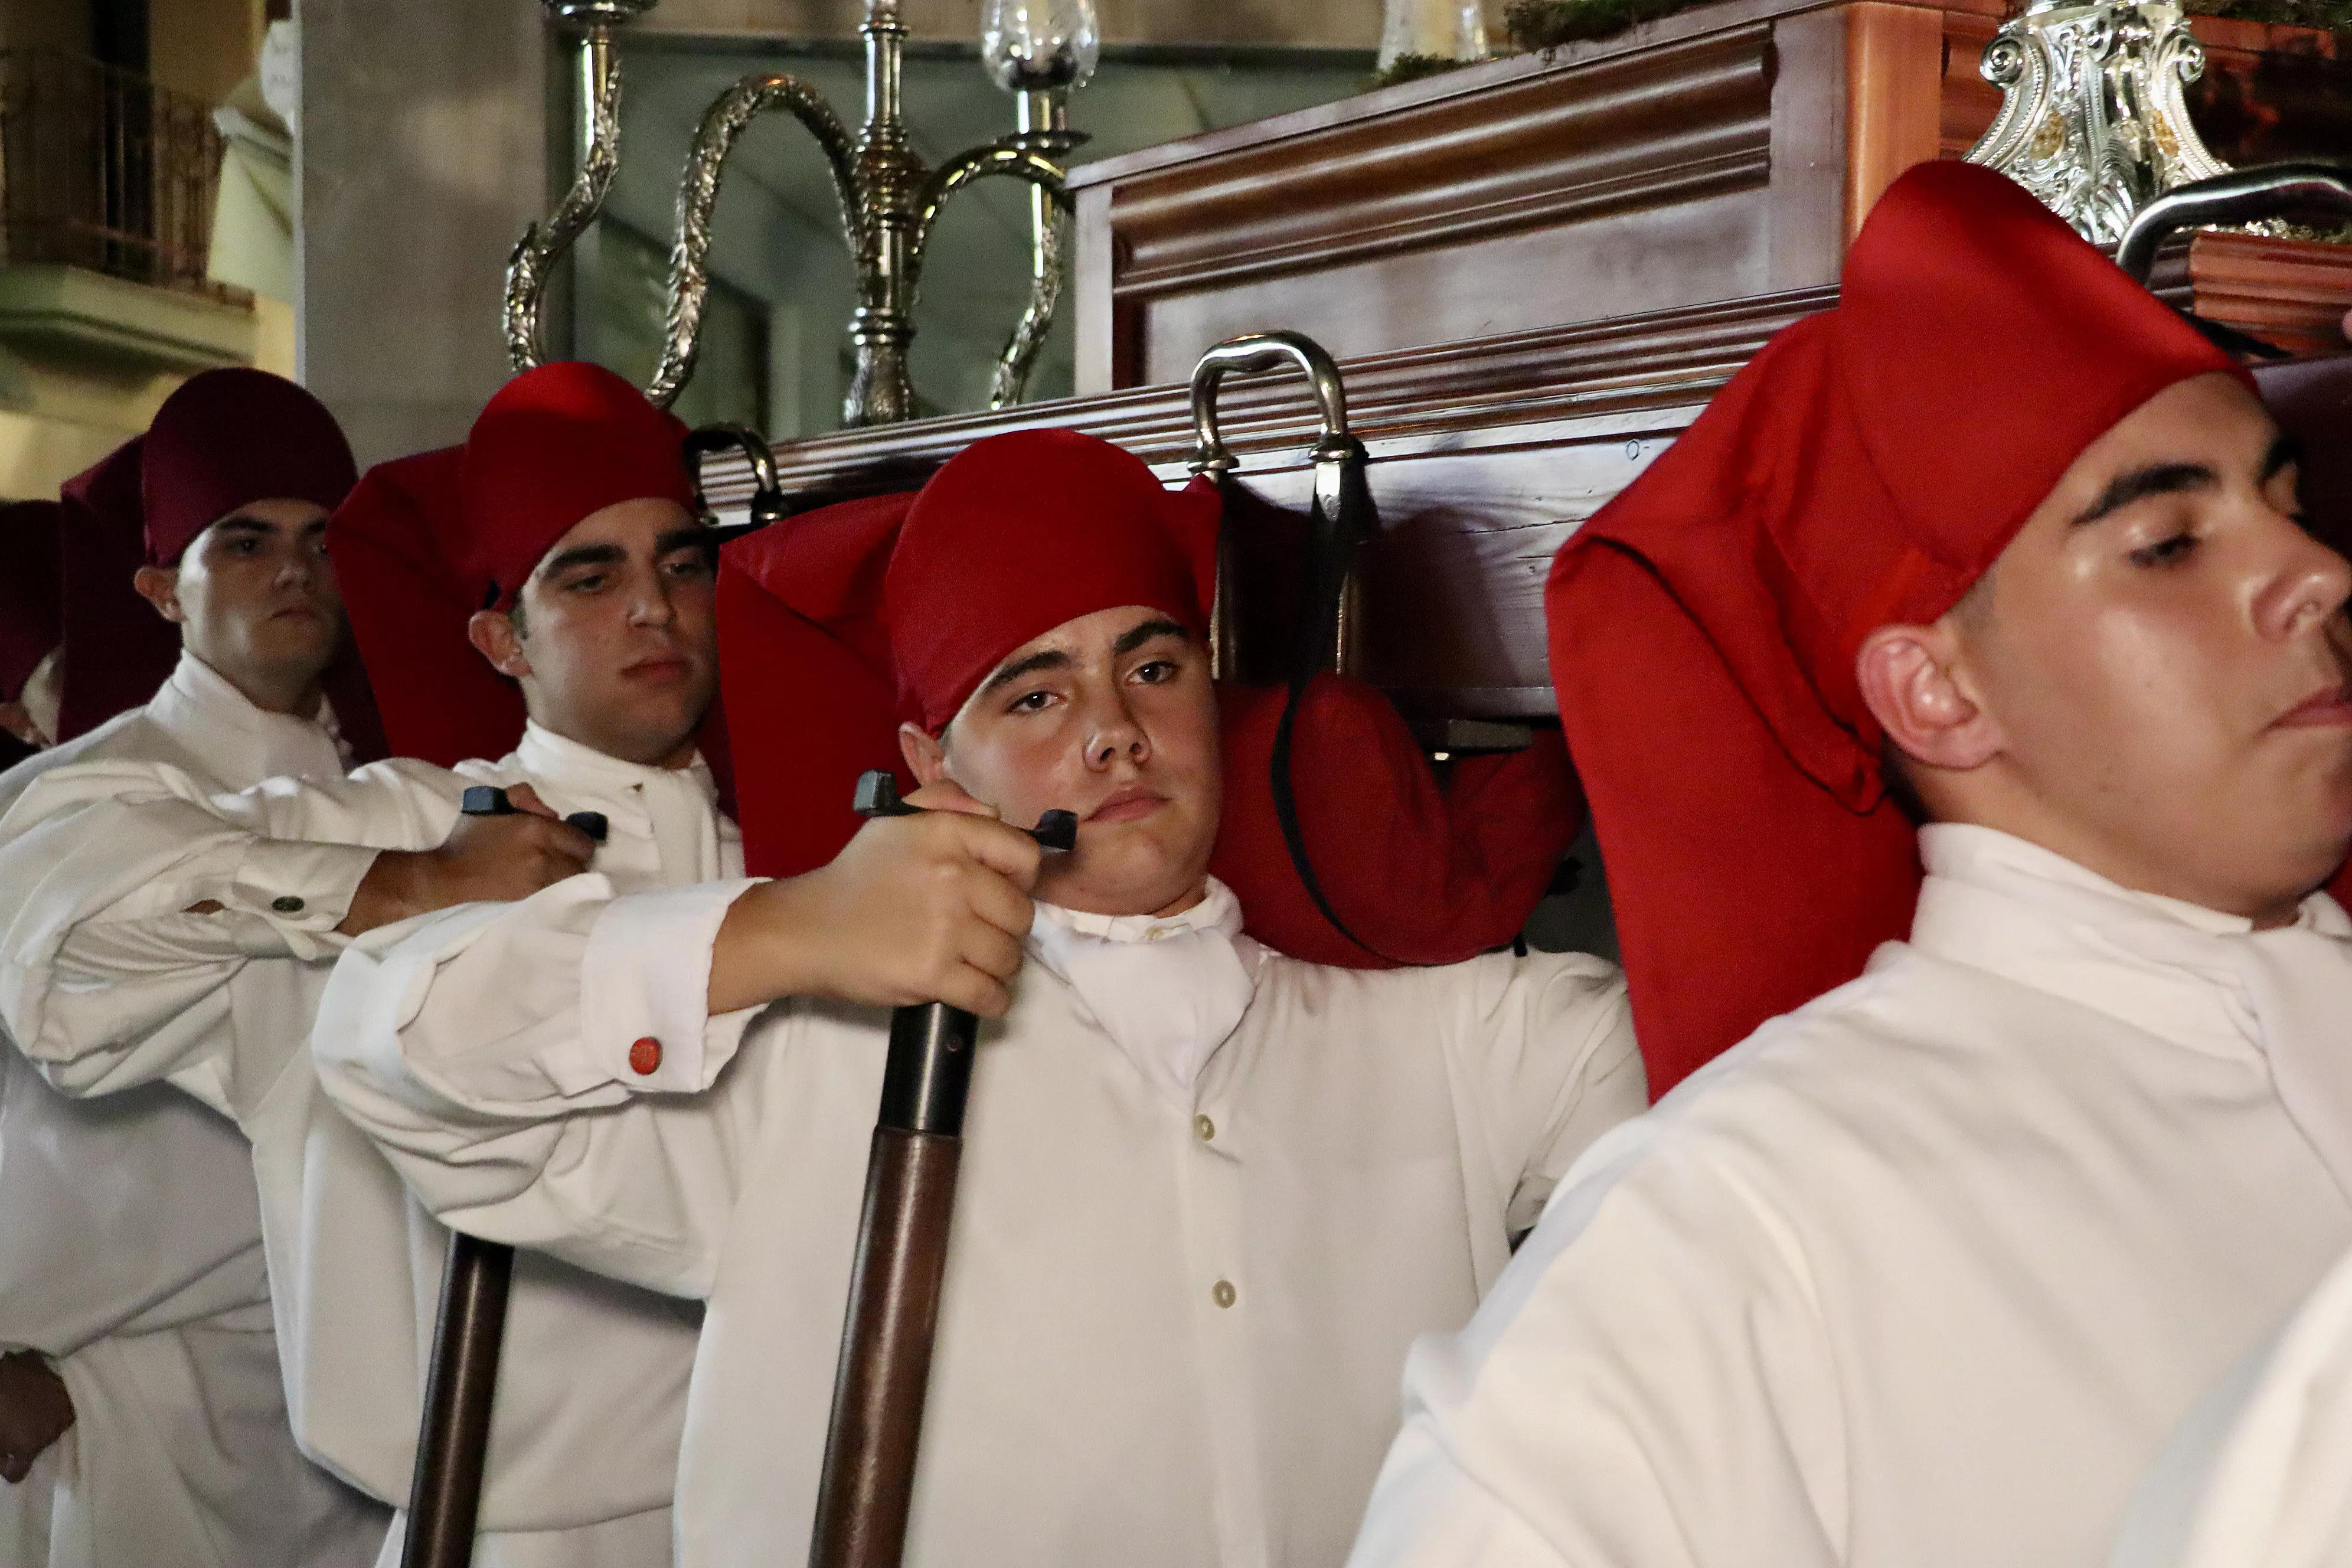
2165, 551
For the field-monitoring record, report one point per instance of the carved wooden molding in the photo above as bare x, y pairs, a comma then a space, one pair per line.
1409, 401
1667, 124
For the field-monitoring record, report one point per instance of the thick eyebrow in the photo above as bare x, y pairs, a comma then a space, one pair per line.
1021, 666
2156, 479
693, 536
241, 522
2286, 452
1160, 627
583, 555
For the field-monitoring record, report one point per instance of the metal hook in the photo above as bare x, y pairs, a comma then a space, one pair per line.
1255, 351
1343, 510
768, 504
2264, 190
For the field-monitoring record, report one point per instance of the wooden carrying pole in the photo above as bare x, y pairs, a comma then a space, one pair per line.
902, 1257
444, 1494
453, 1446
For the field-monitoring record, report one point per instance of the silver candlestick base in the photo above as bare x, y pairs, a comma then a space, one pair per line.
2093, 120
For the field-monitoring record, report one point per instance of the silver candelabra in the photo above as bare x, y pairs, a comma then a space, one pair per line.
890, 197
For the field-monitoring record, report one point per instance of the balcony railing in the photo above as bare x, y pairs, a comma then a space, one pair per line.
102, 169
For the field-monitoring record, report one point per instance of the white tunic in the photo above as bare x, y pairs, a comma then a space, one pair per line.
2260, 1475
1172, 1326
131, 1254
113, 986
1922, 1274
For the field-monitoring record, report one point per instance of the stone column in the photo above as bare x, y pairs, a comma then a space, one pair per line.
429, 137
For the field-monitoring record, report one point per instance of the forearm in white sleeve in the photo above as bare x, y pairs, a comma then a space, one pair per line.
539, 1073
110, 977
130, 897
1553, 1040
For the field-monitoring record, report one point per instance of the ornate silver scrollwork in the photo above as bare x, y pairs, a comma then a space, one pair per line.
889, 199
697, 196
536, 253
2093, 120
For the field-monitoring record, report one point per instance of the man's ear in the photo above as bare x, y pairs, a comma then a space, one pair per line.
926, 758
493, 635
1912, 680
160, 586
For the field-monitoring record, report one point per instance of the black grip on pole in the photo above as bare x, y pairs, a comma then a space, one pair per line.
444, 1494
886, 1334
489, 800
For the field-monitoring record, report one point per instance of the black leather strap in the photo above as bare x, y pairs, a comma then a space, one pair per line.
1343, 517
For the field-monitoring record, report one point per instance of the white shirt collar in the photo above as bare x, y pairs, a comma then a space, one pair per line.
664, 826
1167, 989
1999, 903
1217, 910
239, 743
571, 764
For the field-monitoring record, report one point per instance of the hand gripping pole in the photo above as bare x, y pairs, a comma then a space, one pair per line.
445, 1492
902, 1256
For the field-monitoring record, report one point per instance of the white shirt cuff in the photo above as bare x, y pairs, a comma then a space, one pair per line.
644, 993
302, 891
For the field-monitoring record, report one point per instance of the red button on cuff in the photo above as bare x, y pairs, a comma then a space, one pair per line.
645, 1057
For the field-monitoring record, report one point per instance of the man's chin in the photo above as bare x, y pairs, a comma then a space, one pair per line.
292, 658
655, 733
1155, 890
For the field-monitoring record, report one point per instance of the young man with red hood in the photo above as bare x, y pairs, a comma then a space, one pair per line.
142, 1417
1924, 1272
1208, 1193
544, 592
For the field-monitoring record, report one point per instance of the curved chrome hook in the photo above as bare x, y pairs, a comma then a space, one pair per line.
1254, 352
767, 503
1343, 507
2258, 190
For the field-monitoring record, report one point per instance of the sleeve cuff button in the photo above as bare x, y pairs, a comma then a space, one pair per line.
287, 904
644, 1055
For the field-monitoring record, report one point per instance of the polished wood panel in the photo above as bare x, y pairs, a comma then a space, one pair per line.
2291, 292
1730, 149
1888, 48
1632, 175
1486, 455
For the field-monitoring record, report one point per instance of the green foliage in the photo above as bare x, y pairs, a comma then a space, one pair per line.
1413, 68
2336, 16
1535, 24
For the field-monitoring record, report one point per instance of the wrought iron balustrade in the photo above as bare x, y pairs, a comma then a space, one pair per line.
100, 168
